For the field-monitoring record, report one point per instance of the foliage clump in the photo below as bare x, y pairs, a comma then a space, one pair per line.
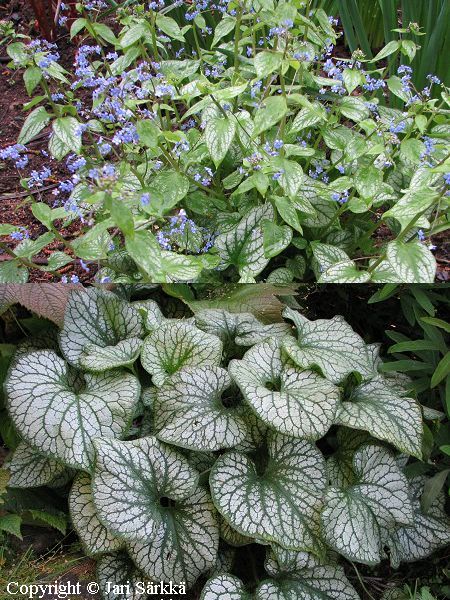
192, 438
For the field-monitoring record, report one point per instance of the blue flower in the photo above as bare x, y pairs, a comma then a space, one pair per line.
145, 199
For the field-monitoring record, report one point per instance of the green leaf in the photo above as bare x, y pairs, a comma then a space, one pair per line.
169, 26
148, 132
276, 238
219, 134
176, 345
94, 536
308, 117
433, 489
28, 468
243, 246
269, 114
54, 411
67, 130
428, 532
57, 521
412, 261
10, 523
12, 271
146, 253
133, 34
389, 49
437, 323
287, 210
191, 411
354, 108
412, 150
386, 414
279, 502
47, 215
353, 518
442, 370
31, 77
172, 533
352, 79
267, 62
96, 317
34, 124
223, 28
295, 402
171, 186
291, 180
329, 344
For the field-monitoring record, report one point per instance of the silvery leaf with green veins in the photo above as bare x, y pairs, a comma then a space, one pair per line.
330, 345
175, 345
97, 319
354, 518
291, 400
277, 500
61, 411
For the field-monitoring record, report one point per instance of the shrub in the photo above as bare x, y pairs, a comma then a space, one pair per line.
191, 438
242, 151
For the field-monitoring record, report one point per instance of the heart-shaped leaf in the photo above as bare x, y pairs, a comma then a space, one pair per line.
28, 468
353, 518
278, 500
97, 317
293, 401
117, 570
385, 413
193, 410
219, 133
330, 344
185, 544
429, 532
97, 358
225, 587
243, 246
175, 345
60, 411
132, 482
94, 536
237, 329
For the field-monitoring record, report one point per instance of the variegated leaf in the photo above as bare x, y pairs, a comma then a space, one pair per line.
428, 532
94, 536
385, 413
130, 481
184, 545
176, 345
28, 468
96, 317
60, 412
353, 518
198, 409
329, 344
295, 402
97, 358
278, 500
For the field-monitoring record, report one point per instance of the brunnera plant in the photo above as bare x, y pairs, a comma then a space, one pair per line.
224, 141
187, 439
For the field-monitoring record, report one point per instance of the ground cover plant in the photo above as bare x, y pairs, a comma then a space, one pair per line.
227, 142
200, 438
